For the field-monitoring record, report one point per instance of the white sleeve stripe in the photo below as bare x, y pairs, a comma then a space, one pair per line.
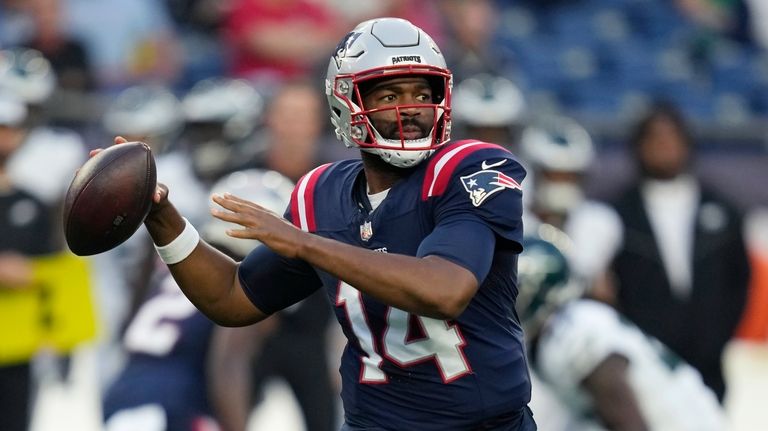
302, 199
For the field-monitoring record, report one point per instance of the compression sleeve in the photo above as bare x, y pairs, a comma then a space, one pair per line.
273, 282
467, 243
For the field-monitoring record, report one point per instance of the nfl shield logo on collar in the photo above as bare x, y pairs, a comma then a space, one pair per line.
366, 231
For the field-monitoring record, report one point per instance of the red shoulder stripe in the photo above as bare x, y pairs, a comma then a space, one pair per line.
442, 165
303, 199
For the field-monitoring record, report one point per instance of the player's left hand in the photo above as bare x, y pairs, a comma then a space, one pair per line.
258, 223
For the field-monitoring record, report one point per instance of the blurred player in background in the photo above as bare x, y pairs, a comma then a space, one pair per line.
604, 369
490, 108
183, 372
559, 153
220, 118
431, 344
45, 162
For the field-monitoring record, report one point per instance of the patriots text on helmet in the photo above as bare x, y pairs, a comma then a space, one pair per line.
406, 59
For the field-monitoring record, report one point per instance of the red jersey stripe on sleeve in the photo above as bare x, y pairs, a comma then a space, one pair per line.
442, 165
303, 200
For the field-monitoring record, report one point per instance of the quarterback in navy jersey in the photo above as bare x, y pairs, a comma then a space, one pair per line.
446, 371
416, 244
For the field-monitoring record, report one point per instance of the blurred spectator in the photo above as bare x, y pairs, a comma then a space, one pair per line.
293, 137
15, 23
678, 256
199, 24
44, 165
275, 40
489, 108
605, 369
68, 58
71, 104
470, 40
128, 42
730, 18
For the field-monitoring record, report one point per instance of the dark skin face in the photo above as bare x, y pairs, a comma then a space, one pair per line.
417, 123
663, 152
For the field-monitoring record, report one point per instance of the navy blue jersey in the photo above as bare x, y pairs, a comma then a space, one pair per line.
399, 370
167, 341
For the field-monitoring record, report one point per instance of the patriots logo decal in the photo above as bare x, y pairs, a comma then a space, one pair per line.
483, 184
341, 49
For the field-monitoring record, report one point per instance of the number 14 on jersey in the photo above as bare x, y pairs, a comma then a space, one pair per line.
442, 343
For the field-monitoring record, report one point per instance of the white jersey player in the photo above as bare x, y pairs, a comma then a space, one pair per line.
607, 372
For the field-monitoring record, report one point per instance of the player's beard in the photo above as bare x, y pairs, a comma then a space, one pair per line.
391, 130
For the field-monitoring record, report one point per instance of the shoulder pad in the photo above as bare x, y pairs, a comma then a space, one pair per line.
303, 199
443, 164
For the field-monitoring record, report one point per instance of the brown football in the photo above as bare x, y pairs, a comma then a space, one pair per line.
109, 198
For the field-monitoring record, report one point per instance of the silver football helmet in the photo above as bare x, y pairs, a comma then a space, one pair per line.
267, 188
220, 114
233, 103
556, 143
544, 277
560, 152
27, 74
384, 48
145, 112
488, 100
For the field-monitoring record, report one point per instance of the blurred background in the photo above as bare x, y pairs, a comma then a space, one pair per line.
223, 86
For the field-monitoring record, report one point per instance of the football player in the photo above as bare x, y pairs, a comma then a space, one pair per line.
44, 163
604, 369
415, 243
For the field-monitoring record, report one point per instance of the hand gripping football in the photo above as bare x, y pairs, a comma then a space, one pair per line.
109, 198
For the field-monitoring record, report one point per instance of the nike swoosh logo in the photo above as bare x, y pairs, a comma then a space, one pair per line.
486, 165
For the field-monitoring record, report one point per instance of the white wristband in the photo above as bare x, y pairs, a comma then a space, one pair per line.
181, 246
